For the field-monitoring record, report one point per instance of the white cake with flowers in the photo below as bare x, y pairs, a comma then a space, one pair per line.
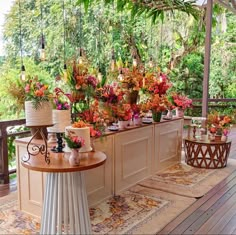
80, 129
38, 116
61, 119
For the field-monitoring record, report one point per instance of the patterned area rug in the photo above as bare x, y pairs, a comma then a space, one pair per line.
138, 210
14, 221
188, 181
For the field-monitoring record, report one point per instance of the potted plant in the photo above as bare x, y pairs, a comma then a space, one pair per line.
157, 104
219, 125
181, 102
74, 143
123, 113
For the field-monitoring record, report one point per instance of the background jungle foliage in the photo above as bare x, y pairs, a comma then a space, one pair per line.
175, 41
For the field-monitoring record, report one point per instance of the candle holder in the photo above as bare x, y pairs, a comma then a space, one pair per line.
35, 149
59, 147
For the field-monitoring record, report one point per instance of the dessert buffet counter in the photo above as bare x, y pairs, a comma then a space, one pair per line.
133, 154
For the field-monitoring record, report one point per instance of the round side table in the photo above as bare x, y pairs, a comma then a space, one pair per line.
206, 154
65, 207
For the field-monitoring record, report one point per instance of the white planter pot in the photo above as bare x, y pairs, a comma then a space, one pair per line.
123, 124
223, 138
137, 121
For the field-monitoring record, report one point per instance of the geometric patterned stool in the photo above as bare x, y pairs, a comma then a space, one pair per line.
206, 154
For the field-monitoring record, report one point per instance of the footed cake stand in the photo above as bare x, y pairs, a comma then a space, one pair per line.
35, 149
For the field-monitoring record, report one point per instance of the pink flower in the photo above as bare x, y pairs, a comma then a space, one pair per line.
27, 88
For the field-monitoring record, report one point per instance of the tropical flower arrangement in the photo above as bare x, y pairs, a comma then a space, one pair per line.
157, 103
96, 131
60, 101
94, 114
110, 94
132, 79
122, 111
73, 141
181, 101
81, 81
37, 92
79, 124
219, 124
61, 104
160, 86
136, 110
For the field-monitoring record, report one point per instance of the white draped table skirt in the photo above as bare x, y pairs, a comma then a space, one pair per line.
65, 209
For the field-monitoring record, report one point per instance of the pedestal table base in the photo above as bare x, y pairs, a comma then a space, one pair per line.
65, 207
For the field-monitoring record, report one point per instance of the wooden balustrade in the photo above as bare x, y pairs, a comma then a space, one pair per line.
214, 103
4, 134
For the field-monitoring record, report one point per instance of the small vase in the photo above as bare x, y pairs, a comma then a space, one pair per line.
74, 158
137, 121
156, 116
211, 136
169, 114
179, 112
224, 138
123, 124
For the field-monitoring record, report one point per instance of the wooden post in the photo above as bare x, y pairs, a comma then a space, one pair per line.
207, 58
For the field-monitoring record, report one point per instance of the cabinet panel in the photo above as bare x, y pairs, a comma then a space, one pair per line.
168, 144
30, 186
133, 154
99, 181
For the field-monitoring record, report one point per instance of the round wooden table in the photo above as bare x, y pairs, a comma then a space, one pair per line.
65, 207
206, 154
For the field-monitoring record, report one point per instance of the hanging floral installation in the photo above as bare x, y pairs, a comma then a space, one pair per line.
126, 92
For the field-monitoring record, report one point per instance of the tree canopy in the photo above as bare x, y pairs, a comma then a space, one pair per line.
174, 39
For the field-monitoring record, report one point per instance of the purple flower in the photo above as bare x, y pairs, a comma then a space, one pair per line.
92, 81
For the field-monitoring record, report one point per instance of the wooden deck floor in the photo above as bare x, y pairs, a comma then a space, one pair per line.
214, 213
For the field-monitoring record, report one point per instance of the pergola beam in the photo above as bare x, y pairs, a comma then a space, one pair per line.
207, 58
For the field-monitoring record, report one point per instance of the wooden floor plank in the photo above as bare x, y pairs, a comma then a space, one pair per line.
223, 185
230, 227
223, 222
205, 203
205, 216
220, 218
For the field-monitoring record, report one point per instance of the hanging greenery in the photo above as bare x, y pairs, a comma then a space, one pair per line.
150, 8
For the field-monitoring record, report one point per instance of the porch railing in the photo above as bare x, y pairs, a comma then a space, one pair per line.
213, 104
4, 135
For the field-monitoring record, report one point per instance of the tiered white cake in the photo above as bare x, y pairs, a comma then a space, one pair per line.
42, 116
61, 119
83, 132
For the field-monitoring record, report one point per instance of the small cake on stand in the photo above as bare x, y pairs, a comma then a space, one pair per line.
61, 119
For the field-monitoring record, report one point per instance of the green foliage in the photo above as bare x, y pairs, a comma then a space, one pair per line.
10, 144
153, 10
12, 91
125, 26
11, 149
188, 77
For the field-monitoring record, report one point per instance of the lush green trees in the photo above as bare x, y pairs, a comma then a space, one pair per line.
175, 41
